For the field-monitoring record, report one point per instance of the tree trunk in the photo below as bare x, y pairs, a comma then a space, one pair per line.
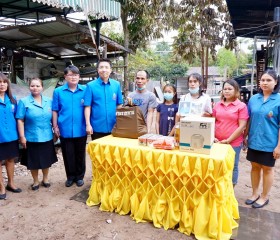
202, 66
206, 68
124, 17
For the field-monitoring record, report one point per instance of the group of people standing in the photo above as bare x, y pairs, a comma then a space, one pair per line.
77, 111
255, 126
74, 112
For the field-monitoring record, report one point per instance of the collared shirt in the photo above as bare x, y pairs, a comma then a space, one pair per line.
103, 99
69, 106
264, 122
8, 129
37, 118
227, 120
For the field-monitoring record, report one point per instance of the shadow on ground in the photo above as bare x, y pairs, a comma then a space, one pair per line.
81, 196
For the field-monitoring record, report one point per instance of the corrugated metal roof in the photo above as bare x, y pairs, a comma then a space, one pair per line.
59, 38
16, 12
97, 8
28, 11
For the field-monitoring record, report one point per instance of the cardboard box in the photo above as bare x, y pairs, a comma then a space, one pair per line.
197, 134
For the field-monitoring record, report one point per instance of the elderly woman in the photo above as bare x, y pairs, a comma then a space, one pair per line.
35, 131
263, 137
8, 135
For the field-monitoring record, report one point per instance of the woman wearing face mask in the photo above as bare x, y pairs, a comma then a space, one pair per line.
199, 103
166, 111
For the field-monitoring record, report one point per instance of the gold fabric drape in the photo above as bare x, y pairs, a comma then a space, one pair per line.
168, 188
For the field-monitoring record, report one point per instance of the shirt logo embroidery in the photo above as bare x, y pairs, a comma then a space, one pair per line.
270, 114
12, 108
114, 96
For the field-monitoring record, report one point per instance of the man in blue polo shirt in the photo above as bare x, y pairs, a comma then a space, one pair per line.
102, 98
69, 125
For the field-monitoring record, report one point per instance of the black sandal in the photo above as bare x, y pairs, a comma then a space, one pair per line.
35, 187
46, 185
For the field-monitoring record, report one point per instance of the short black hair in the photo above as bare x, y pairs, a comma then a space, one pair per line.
71, 68
104, 60
147, 73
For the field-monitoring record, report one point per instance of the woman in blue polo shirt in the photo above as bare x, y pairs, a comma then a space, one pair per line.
263, 137
69, 124
34, 116
8, 135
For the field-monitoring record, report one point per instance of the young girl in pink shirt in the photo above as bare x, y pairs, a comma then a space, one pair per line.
231, 118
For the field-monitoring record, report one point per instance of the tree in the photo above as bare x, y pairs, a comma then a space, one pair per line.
227, 62
160, 66
142, 20
202, 25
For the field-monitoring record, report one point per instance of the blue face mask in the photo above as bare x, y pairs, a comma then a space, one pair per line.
168, 96
142, 88
194, 91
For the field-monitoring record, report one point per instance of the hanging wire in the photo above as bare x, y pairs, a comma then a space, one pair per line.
239, 29
256, 31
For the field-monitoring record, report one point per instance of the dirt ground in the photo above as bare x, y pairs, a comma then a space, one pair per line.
51, 214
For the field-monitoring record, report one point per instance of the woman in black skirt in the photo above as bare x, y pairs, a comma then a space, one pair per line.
34, 116
263, 137
8, 135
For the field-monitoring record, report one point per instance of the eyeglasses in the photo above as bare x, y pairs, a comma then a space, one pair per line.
72, 75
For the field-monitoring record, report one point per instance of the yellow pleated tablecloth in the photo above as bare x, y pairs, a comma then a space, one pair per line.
170, 188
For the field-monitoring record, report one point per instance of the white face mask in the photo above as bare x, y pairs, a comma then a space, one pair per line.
168, 96
194, 91
142, 88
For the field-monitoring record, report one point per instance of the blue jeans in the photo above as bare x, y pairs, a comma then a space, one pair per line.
236, 161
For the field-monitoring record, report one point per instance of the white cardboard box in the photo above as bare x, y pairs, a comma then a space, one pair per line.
197, 134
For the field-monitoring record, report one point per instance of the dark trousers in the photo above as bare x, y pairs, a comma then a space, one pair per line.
97, 135
74, 157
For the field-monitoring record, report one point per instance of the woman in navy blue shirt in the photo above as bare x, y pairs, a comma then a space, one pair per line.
8, 135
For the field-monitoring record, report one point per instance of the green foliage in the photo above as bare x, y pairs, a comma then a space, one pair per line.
160, 66
163, 46
226, 61
202, 26
112, 30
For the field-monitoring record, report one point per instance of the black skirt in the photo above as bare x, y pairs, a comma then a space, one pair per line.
260, 157
38, 155
9, 150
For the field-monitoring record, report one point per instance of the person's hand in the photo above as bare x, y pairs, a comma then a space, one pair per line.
276, 152
55, 138
224, 141
89, 129
216, 140
206, 114
56, 131
22, 141
245, 143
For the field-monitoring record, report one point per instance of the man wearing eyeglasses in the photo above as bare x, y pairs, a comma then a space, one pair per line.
69, 125
102, 98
